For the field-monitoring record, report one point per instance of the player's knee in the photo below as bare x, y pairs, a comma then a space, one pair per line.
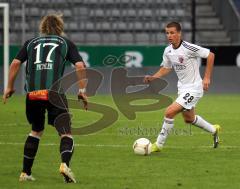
66, 135
63, 124
37, 134
169, 114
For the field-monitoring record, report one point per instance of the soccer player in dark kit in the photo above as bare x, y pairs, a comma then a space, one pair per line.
46, 56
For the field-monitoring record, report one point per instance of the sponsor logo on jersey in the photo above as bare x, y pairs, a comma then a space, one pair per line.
179, 67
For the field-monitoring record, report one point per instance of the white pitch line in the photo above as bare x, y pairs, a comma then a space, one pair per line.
78, 145
131, 133
116, 145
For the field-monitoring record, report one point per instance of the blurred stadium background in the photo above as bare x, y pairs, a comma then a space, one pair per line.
134, 28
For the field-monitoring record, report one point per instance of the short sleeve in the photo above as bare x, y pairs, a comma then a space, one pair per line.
200, 51
73, 55
166, 62
203, 52
22, 54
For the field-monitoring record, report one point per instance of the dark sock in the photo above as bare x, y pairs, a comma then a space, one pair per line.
66, 149
30, 150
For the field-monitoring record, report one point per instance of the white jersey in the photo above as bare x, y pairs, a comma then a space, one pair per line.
184, 60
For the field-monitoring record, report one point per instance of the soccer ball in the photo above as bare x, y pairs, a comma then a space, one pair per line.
142, 146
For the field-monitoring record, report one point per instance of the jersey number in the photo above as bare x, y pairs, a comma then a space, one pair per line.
188, 98
38, 47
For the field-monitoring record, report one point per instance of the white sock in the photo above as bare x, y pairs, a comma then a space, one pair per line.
166, 128
203, 124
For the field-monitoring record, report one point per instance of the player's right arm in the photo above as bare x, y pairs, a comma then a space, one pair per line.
13, 71
160, 73
164, 70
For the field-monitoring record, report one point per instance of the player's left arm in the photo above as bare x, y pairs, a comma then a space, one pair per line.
13, 71
208, 71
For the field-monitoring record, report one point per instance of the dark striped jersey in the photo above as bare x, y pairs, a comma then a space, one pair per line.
185, 61
46, 57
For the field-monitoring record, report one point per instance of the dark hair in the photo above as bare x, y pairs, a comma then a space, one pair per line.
52, 24
175, 25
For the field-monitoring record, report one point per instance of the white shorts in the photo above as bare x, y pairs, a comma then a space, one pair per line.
188, 100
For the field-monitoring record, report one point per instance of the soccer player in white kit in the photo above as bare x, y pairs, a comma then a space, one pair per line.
183, 58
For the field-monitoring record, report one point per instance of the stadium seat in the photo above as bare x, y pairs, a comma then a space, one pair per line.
109, 38
89, 26
93, 38
126, 38
80, 37
124, 18
142, 38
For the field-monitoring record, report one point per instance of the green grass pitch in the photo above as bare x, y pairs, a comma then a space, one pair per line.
106, 160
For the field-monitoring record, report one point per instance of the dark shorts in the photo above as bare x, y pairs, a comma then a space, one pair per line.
57, 116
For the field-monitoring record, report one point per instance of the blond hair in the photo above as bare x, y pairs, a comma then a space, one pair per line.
52, 24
